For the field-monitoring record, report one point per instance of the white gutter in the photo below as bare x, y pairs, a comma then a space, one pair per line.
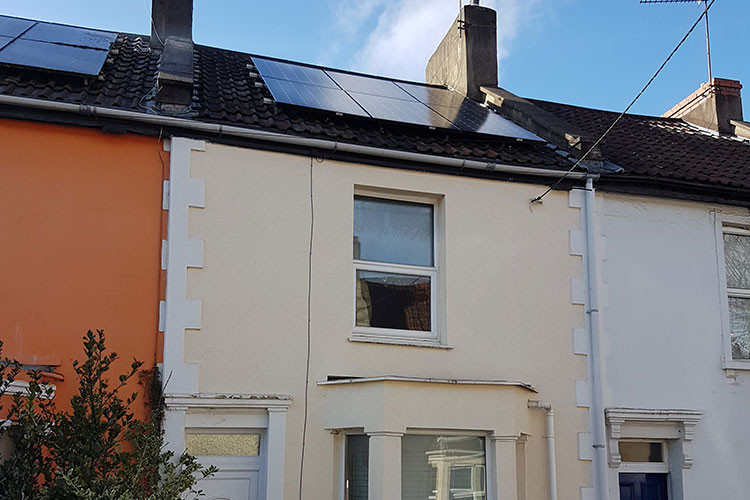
550, 437
212, 128
598, 437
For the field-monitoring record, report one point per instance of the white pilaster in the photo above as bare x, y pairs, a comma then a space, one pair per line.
276, 436
384, 478
174, 429
506, 474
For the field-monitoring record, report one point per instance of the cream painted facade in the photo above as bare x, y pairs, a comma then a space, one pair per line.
236, 324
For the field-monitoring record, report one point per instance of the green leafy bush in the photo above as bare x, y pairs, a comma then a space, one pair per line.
95, 449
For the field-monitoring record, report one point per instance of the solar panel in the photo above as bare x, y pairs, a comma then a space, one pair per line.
12, 26
367, 85
313, 96
397, 110
472, 117
380, 98
70, 35
433, 95
4, 40
293, 73
65, 58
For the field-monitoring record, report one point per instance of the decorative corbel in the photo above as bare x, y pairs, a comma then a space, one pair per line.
615, 433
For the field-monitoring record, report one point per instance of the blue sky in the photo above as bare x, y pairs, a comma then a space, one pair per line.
595, 53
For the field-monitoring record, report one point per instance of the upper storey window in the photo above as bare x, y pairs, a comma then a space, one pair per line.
737, 263
394, 267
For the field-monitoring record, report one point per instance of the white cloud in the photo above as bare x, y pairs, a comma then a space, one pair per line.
408, 31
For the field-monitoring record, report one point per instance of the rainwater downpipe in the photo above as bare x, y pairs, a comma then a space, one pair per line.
549, 432
598, 437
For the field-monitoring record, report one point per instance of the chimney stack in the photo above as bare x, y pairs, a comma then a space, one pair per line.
466, 58
172, 33
171, 18
716, 105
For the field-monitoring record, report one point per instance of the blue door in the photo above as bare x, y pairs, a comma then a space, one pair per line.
643, 486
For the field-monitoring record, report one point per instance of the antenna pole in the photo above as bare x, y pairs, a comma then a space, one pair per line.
708, 42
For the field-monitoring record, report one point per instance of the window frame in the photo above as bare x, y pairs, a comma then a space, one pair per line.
729, 224
661, 467
340, 464
489, 493
393, 335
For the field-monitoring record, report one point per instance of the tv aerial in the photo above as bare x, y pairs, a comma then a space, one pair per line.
705, 15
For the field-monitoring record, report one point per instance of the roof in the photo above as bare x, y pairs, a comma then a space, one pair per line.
655, 153
668, 149
226, 92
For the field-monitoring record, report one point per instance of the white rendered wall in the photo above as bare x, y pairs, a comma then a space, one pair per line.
662, 337
505, 302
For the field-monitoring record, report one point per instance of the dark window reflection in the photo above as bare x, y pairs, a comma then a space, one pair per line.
398, 301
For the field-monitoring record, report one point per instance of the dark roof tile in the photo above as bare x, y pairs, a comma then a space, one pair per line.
224, 92
658, 147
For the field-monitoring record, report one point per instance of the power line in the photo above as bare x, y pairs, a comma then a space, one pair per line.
538, 199
309, 318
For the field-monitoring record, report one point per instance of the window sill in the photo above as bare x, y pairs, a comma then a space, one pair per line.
736, 365
373, 339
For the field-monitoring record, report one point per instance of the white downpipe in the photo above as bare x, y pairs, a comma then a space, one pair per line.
598, 437
248, 133
550, 437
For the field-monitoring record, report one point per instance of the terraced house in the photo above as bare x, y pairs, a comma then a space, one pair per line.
82, 214
362, 302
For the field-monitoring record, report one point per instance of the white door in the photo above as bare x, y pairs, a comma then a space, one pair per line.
238, 478
239, 456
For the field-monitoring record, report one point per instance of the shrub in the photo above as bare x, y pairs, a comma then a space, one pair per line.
96, 448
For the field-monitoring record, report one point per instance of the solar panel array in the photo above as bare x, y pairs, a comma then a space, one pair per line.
56, 47
380, 98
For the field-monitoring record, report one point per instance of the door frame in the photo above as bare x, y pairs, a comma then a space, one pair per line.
256, 412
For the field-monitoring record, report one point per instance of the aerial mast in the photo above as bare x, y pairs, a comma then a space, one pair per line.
705, 14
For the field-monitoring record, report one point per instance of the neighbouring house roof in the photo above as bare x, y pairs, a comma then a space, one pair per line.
227, 92
662, 148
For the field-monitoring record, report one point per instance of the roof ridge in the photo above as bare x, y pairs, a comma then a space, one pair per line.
634, 115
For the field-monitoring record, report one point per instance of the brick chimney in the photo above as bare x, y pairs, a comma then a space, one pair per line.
716, 105
172, 33
466, 58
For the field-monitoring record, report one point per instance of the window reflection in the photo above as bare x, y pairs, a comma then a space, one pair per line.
396, 232
442, 467
399, 301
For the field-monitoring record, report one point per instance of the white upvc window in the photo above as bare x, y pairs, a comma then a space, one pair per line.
443, 466
395, 268
735, 277
432, 466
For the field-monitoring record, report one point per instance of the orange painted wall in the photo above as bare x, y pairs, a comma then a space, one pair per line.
81, 225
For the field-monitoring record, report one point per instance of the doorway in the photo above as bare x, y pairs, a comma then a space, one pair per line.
643, 486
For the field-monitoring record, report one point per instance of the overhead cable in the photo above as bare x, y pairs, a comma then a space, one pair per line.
538, 199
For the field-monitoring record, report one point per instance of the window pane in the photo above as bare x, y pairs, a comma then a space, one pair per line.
640, 451
357, 466
449, 467
393, 231
737, 257
739, 327
398, 301
223, 445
